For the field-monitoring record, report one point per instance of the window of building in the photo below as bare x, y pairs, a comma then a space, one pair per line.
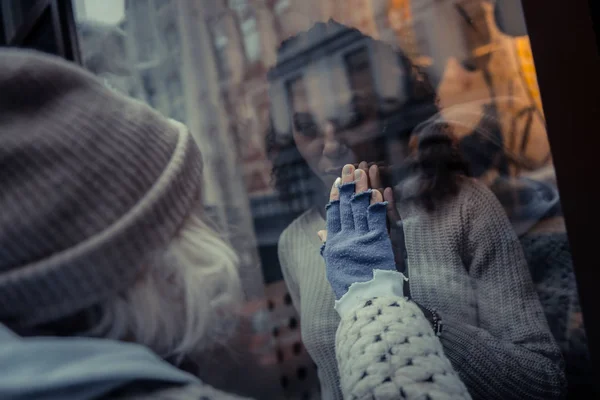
358, 67
422, 45
282, 6
362, 85
144, 30
248, 25
251, 39
477, 36
220, 44
178, 111
171, 37
297, 94
149, 87
174, 88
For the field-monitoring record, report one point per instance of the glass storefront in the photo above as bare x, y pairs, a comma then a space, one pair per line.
279, 94
241, 73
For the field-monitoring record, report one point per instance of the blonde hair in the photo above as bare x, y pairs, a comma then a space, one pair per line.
184, 300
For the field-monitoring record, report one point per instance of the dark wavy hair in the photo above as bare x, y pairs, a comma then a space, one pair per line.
438, 167
437, 161
295, 182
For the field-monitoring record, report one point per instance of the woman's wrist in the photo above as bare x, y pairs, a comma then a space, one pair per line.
433, 317
384, 283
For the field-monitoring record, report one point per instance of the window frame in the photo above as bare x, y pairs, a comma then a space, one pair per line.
558, 53
63, 24
288, 85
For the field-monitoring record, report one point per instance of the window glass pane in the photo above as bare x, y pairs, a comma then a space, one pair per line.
43, 36
14, 13
441, 96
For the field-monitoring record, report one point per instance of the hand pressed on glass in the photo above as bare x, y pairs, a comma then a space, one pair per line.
371, 179
375, 181
357, 242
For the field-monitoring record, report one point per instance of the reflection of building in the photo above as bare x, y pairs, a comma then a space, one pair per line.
400, 21
266, 357
152, 56
218, 53
239, 36
221, 53
98, 40
160, 45
525, 58
297, 372
208, 119
154, 42
474, 64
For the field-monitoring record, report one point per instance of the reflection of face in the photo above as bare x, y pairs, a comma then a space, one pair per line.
328, 144
327, 147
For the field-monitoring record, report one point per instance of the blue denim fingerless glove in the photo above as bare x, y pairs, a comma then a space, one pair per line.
357, 240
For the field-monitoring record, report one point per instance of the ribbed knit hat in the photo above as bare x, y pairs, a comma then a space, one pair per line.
91, 183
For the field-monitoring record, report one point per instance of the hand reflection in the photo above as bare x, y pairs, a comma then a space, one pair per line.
371, 179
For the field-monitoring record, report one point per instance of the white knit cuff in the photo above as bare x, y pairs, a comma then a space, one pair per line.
385, 283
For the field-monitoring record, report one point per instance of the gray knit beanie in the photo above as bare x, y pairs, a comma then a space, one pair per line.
91, 183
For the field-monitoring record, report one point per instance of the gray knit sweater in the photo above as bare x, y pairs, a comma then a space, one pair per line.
466, 262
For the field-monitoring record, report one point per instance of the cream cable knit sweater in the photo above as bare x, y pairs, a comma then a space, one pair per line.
386, 349
465, 261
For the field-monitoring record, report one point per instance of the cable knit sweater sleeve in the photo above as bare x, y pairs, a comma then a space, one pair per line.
511, 355
386, 349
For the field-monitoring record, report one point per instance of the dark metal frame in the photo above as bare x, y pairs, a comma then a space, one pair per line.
567, 62
63, 22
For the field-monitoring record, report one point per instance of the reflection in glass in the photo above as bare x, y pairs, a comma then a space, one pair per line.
405, 135
14, 13
207, 65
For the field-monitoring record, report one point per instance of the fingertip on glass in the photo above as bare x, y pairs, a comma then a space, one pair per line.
322, 235
347, 170
388, 194
334, 194
376, 197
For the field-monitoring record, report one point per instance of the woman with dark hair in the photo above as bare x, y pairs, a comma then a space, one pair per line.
438, 167
464, 262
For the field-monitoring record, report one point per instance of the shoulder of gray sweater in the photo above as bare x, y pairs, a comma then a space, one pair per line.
293, 229
481, 210
290, 252
477, 200
482, 199
302, 225
473, 190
